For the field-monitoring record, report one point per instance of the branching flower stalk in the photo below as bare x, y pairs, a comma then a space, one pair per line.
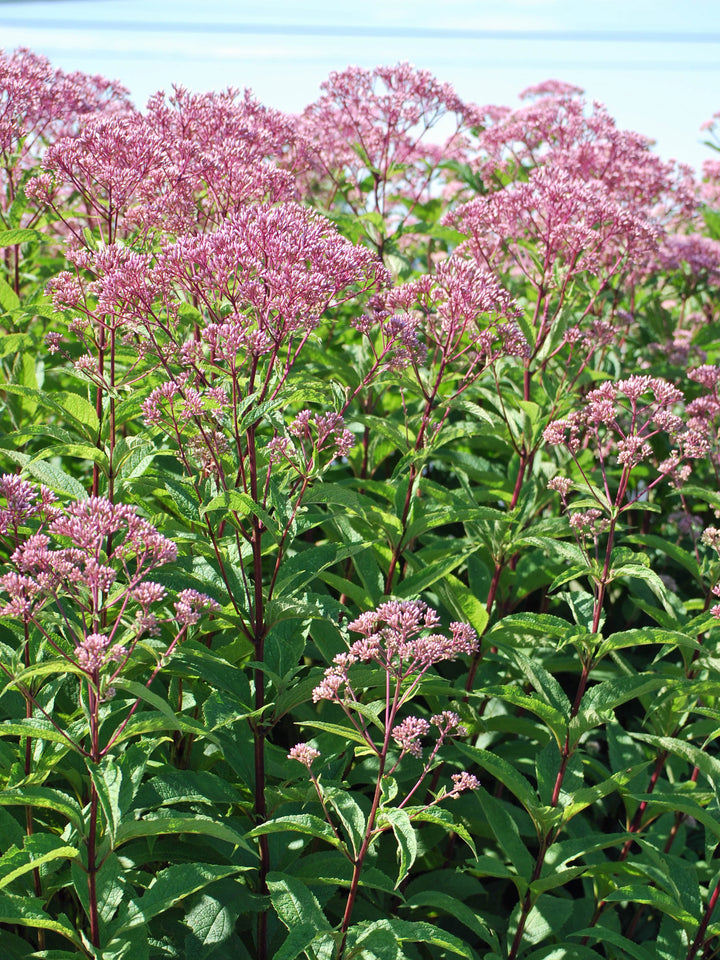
77, 593
619, 418
396, 638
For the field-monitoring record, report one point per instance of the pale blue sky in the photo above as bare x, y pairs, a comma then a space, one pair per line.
654, 63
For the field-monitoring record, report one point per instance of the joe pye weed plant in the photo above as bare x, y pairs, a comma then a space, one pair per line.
358, 527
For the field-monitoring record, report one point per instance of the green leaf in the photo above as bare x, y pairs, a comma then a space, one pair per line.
36, 727
9, 300
528, 701
107, 778
242, 505
640, 572
586, 796
670, 549
297, 907
351, 815
56, 479
570, 552
37, 850
212, 918
11, 238
507, 834
605, 934
546, 917
453, 907
338, 729
708, 765
646, 635
574, 572
442, 818
167, 888
463, 603
405, 837
45, 798
110, 886
430, 573
303, 939
599, 701
141, 692
410, 931
507, 775
30, 912
184, 786
544, 683
80, 410
305, 823
159, 826
643, 893
300, 570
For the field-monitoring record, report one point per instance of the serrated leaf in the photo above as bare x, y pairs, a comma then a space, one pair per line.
38, 849
455, 908
507, 775
38, 728
654, 898
599, 701
405, 837
545, 684
338, 729
305, 823
296, 906
708, 765
302, 940
645, 635
167, 888
56, 479
30, 912
9, 300
640, 572
556, 722
44, 798
159, 826
184, 786
605, 934
242, 505
442, 818
507, 834
11, 238
586, 796
411, 931
351, 815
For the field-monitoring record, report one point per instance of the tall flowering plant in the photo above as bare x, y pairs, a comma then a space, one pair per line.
399, 646
79, 587
304, 392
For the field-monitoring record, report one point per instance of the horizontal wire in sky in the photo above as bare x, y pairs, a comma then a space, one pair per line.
162, 56
344, 30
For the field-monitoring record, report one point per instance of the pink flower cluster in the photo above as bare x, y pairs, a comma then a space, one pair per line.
463, 313
23, 500
556, 128
575, 225
397, 638
93, 563
38, 105
626, 416
371, 126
